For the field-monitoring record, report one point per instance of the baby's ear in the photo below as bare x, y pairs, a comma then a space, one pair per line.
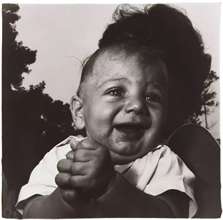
76, 108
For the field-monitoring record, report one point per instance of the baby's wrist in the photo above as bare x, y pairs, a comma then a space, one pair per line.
112, 181
109, 186
115, 183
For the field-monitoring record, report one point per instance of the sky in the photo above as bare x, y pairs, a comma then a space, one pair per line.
64, 35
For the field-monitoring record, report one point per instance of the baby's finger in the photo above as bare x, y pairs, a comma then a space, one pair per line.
64, 165
83, 155
79, 168
80, 182
73, 144
70, 155
68, 194
87, 144
63, 180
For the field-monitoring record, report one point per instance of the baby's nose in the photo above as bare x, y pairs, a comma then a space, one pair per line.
136, 105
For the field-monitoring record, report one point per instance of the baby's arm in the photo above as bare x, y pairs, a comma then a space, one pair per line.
51, 206
125, 200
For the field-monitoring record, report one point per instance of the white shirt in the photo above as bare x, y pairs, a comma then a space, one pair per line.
158, 171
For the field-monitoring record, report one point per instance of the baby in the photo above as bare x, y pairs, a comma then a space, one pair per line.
120, 169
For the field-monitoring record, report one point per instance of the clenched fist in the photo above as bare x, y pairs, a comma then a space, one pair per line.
92, 171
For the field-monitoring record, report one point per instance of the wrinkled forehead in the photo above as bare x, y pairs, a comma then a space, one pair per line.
116, 59
122, 67
122, 55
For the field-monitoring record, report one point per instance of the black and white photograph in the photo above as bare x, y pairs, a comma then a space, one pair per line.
111, 110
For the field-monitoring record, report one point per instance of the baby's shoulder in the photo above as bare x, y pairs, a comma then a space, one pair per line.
59, 151
162, 150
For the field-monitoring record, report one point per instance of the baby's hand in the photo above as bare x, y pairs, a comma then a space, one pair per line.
69, 195
92, 169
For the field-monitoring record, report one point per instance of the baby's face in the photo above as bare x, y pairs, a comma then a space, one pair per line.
125, 106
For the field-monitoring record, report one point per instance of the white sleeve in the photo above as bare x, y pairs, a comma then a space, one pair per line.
172, 174
42, 178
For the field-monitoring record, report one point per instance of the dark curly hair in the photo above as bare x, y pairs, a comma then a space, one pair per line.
168, 29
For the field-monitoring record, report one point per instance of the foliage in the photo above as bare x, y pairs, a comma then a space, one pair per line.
206, 103
16, 57
32, 121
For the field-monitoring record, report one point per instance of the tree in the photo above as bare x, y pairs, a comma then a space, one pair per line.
16, 57
208, 97
38, 124
206, 101
32, 121
15, 61
181, 111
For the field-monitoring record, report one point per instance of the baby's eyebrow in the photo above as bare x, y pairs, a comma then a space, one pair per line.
113, 80
157, 87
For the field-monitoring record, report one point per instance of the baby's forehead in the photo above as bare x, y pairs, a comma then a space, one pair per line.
116, 57
110, 66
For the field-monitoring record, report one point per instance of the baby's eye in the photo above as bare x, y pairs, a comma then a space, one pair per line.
153, 98
116, 92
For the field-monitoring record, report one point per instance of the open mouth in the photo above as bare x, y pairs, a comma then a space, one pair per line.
130, 131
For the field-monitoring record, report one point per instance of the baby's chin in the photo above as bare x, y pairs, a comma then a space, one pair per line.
124, 153
119, 159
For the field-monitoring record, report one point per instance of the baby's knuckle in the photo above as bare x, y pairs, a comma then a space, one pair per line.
76, 182
80, 145
70, 155
81, 154
73, 181
77, 154
73, 169
59, 165
65, 194
58, 179
73, 144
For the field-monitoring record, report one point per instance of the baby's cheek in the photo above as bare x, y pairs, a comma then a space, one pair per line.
159, 117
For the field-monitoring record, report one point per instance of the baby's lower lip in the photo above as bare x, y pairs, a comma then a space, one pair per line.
130, 132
